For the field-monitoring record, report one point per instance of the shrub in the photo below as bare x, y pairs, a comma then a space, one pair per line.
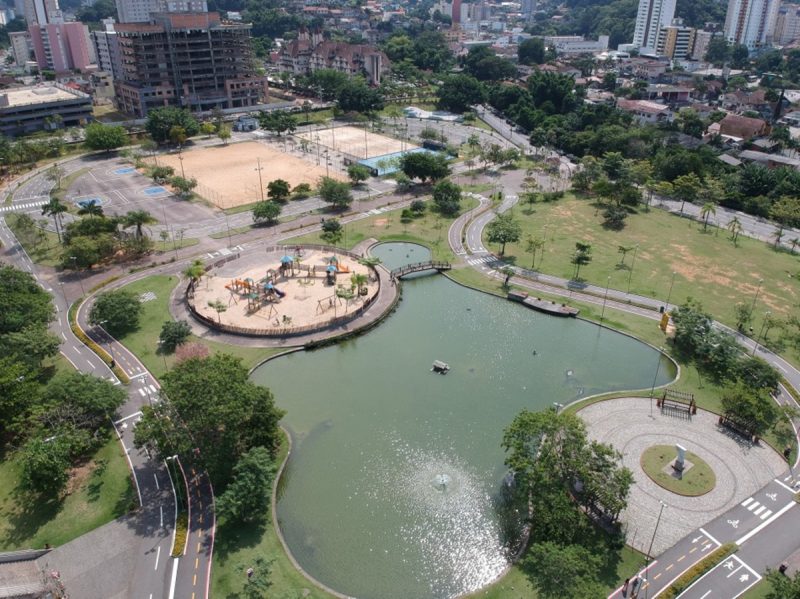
704, 565
173, 334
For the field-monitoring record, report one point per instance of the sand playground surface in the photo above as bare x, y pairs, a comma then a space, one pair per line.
227, 176
267, 296
355, 142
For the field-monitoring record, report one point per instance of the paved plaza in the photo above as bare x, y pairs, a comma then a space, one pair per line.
631, 426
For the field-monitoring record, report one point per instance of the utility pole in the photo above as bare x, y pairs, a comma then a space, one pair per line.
260, 182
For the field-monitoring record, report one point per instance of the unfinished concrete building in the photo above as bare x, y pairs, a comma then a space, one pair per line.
190, 60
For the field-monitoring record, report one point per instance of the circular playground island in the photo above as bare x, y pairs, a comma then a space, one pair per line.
290, 291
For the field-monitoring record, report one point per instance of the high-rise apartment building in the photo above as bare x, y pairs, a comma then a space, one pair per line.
675, 41
106, 45
139, 11
189, 60
61, 47
21, 47
42, 11
650, 18
528, 7
787, 24
751, 22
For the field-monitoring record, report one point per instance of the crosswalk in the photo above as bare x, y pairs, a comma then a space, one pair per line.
481, 260
756, 508
22, 207
146, 390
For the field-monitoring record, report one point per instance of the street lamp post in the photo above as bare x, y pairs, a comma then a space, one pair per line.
633, 263
650, 549
80, 280
767, 314
180, 157
655, 378
669, 295
755, 297
605, 296
260, 168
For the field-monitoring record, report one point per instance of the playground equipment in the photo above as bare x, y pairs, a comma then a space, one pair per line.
340, 268
270, 289
242, 287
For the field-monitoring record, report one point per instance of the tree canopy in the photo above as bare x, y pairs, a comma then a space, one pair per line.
425, 166
161, 121
447, 197
105, 137
117, 311
458, 93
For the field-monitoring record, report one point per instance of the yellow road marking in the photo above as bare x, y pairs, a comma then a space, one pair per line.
681, 558
198, 546
196, 561
693, 549
668, 568
194, 580
201, 518
192, 595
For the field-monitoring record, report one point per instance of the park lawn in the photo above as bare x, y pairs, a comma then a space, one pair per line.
101, 490
170, 246
46, 253
707, 265
759, 591
144, 341
430, 230
66, 183
698, 480
237, 546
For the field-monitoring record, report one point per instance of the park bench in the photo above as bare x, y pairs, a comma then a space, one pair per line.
677, 402
738, 427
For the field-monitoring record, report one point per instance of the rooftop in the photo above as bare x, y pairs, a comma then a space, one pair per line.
37, 95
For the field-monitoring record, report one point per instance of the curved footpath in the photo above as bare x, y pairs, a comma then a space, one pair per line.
752, 521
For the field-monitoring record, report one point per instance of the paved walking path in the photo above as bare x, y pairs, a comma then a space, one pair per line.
632, 425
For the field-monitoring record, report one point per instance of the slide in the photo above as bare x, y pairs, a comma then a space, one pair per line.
278, 292
341, 268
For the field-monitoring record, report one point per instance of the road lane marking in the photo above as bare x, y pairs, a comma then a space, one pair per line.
161, 514
752, 506
681, 558
174, 576
766, 514
657, 576
156, 479
693, 549
759, 510
701, 529
136, 376
130, 464
787, 487
668, 568
158, 554
194, 580
706, 594
746, 501
134, 415
196, 562
766, 523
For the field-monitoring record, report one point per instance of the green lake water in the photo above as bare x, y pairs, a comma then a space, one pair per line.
395, 479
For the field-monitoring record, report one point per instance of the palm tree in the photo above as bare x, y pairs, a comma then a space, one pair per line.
55, 208
735, 228
92, 209
707, 210
139, 218
195, 270
360, 281
533, 245
219, 307
54, 174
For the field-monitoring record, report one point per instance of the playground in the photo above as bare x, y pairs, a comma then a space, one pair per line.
356, 141
294, 290
228, 176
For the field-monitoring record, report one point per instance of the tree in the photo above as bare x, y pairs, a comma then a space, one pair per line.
786, 213
301, 191
212, 414
195, 270
267, 211
447, 198
482, 63
744, 315
45, 466
417, 207
756, 373
105, 137
55, 208
327, 83
178, 135
531, 51
563, 571
117, 310
431, 51
718, 50
740, 55
552, 93
93, 209
187, 351
359, 281
503, 229
358, 173
219, 307
160, 122
138, 219
614, 218
78, 401
458, 92
425, 166
277, 121
336, 193
161, 174
735, 227
173, 333
207, 129
224, 133
707, 209
782, 586
357, 96
26, 314
331, 230
754, 408
247, 497
581, 257
533, 245
184, 186
278, 190
258, 582
54, 174
686, 187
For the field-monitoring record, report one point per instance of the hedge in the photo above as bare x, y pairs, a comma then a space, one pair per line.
686, 579
181, 536
101, 353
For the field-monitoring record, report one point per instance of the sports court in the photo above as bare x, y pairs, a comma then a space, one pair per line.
356, 142
228, 176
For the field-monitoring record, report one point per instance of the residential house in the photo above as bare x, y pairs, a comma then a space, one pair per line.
737, 128
645, 112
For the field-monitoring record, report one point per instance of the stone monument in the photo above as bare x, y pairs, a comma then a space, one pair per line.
680, 460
